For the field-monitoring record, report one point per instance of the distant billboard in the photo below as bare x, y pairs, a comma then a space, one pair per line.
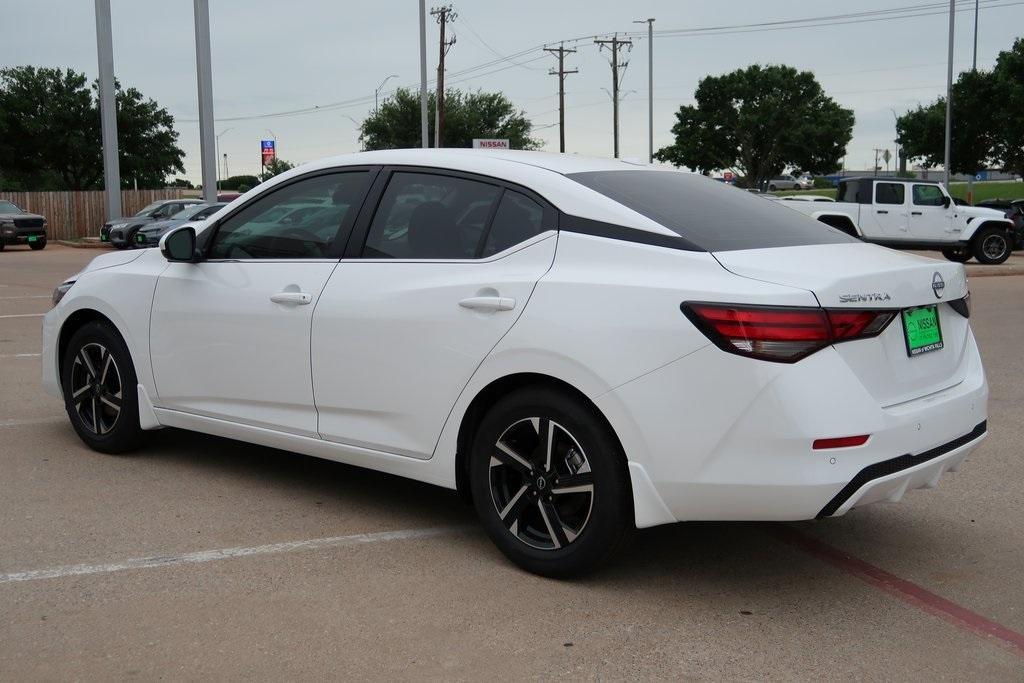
268, 151
490, 143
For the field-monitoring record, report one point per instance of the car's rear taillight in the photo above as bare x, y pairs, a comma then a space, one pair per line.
782, 333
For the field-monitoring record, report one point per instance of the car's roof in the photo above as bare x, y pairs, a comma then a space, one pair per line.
892, 179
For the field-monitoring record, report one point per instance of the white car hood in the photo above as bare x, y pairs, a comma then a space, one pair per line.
980, 212
115, 258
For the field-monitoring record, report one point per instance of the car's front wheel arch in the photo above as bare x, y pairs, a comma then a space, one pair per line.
487, 397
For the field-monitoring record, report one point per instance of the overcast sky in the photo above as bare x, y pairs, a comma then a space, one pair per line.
271, 56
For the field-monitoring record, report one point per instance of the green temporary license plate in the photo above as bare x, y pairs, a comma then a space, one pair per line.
921, 327
140, 238
33, 238
103, 237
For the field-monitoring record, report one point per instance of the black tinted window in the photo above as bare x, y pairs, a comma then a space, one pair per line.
890, 193
848, 192
711, 215
427, 216
928, 195
518, 219
301, 220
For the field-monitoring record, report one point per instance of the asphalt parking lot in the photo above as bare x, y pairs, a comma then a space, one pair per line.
200, 558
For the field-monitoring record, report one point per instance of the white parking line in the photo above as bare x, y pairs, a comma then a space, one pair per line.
228, 553
23, 315
20, 355
33, 421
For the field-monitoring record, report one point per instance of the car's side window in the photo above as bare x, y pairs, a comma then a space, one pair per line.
927, 195
304, 219
430, 216
890, 193
518, 219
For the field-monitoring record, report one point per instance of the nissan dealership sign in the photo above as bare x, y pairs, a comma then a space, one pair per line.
487, 143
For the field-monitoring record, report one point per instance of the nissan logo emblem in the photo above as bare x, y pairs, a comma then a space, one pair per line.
938, 284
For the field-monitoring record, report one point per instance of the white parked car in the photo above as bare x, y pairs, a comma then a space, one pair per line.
916, 214
579, 346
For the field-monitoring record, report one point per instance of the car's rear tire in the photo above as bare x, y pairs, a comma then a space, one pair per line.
771, 188
1, 242
38, 244
957, 255
556, 516
99, 386
992, 245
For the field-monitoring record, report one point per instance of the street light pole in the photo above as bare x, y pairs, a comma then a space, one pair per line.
376, 92
949, 95
650, 86
108, 111
204, 77
423, 74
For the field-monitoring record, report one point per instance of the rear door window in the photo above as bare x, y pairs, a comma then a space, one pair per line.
518, 219
890, 193
430, 216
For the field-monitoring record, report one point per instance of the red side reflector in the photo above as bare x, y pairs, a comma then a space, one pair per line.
840, 442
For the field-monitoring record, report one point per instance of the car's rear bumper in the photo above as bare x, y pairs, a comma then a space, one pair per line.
718, 441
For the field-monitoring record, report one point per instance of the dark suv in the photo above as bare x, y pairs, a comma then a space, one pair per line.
1014, 210
21, 227
121, 231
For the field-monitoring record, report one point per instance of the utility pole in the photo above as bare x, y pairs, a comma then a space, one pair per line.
616, 43
974, 68
561, 51
444, 14
423, 75
874, 169
108, 115
949, 95
650, 86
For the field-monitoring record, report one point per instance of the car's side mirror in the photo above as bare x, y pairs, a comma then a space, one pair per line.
180, 246
945, 201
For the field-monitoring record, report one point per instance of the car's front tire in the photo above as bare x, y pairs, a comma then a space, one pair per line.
549, 483
99, 386
992, 246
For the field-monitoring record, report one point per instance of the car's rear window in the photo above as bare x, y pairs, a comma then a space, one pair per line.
713, 216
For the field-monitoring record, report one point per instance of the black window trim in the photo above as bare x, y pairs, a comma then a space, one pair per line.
913, 186
361, 230
336, 251
874, 192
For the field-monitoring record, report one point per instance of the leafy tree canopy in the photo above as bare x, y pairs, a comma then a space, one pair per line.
988, 120
466, 116
50, 133
236, 182
760, 121
275, 167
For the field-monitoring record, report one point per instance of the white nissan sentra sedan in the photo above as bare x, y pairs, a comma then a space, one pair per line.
579, 346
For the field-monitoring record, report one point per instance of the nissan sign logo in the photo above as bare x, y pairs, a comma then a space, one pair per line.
938, 284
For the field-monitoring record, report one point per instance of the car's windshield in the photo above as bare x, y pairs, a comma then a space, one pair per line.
8, 207
148, 208
713, 216
189, 211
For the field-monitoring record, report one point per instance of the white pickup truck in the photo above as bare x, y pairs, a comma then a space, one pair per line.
915, 214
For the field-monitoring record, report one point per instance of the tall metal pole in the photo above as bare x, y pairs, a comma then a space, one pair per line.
108, 111
423, 74
650, 86
949, 95
204, 76
974, 62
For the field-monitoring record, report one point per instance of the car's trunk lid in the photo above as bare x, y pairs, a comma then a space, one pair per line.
871, 277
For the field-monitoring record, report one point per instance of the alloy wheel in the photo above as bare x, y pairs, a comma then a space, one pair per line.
541, 483
96, 388
994, 246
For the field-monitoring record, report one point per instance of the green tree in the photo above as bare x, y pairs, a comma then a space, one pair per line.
236, 182
275, 167
988, 120
466, 116
760, 121
50, 133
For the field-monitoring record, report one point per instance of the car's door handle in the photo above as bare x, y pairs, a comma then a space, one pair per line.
489, 303
297, 298
915, 213
881, 211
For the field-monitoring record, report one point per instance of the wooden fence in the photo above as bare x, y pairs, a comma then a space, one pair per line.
70, 215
